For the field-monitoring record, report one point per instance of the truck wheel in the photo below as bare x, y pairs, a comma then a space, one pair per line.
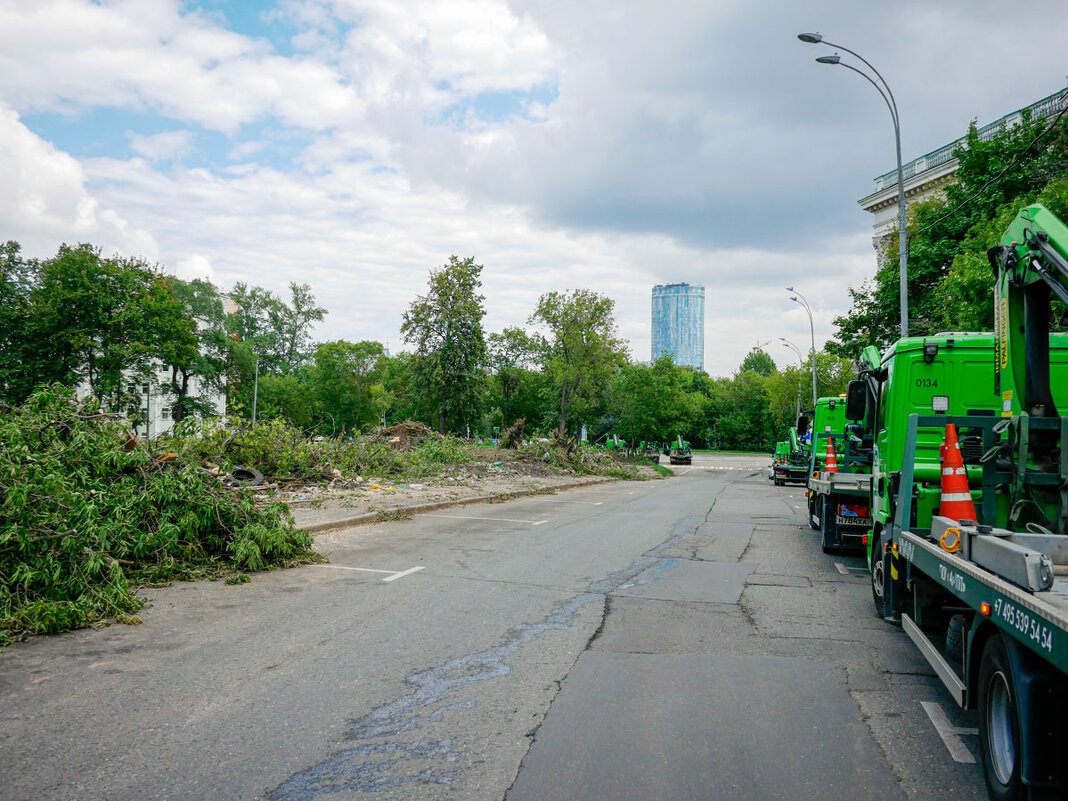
830, 544
813, 515
999, 724
778, 482
878, 578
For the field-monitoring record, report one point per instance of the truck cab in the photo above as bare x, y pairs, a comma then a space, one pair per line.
948, 374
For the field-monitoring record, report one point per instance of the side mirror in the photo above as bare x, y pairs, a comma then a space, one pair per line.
856, 400
802, 425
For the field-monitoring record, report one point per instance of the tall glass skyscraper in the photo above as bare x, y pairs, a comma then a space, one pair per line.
679, 323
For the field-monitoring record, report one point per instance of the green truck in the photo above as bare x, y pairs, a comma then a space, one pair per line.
790, 465
984, 601
839, 502
947, 374
679, 452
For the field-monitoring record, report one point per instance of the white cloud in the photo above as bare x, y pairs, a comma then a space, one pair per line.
167, 145
45, 201
193, 266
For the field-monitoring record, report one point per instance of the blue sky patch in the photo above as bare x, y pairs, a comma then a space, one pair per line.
249, 18
107, 133
498, 106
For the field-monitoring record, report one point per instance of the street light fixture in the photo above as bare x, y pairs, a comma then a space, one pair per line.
800, 299
891, 103
801, 363
255, 390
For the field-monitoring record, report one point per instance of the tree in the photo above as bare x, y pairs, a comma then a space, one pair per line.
288, 397
279, 333
654, 403
445, 325
250, 321
105, 321
509, 355
21, 363
346, 381
291, 327
583, 351
759, 361
199, 364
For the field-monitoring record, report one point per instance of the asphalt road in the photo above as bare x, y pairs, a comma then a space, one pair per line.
678, 639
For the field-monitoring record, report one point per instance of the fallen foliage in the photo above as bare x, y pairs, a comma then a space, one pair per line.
89, 514
405, 436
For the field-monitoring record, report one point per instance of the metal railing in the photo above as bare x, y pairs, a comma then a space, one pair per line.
1043, 109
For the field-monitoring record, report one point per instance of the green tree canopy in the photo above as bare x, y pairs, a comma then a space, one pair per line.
654, 403
582, 352
510, 355
103, 321
445, 325
759, 361
347, 385
197, 366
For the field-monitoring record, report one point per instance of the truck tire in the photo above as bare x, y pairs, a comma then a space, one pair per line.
827, 527
778, 481
999, 724
879, 573
813, 514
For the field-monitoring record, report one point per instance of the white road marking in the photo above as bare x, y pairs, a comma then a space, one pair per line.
845, 570
392, 575
499, 519
949, 733
686, 471
568, 500
404, 573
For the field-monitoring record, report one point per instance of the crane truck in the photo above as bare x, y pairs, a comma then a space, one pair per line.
839, 500
792, 467
986, 600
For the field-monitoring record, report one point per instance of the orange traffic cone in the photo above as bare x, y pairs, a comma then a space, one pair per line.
832, 459
956, 503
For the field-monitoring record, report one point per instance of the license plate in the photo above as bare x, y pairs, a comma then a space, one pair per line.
854, 521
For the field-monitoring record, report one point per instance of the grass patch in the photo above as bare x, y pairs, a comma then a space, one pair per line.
387, 515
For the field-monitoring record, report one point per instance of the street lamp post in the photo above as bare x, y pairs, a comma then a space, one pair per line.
891, 103
255, 390
800, 299
801, 363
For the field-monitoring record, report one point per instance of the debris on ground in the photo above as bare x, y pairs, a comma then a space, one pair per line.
513, 437
406, 436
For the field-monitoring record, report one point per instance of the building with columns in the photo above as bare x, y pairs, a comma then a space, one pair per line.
928, 175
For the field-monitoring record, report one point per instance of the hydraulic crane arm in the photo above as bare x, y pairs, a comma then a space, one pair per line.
1030, 264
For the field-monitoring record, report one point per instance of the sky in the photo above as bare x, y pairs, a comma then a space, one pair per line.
354, 145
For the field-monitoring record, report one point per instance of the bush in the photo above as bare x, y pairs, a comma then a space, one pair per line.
279, 450
89, 514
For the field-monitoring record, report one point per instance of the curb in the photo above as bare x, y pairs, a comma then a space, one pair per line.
373, 517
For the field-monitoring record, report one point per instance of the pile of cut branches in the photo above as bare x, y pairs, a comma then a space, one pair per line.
89, 514
406, 436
